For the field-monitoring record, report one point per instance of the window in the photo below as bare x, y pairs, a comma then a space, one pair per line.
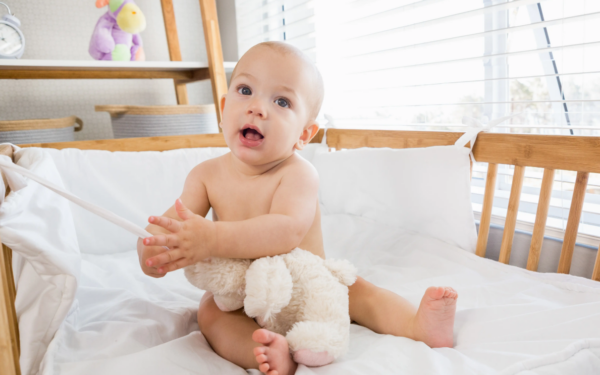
292, 21
425, 64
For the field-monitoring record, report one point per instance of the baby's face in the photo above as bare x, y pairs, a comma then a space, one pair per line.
266, 110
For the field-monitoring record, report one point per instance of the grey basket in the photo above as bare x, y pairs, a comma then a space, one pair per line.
156, 121
40, 130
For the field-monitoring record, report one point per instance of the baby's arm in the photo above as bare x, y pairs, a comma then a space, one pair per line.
196, 199
280, 231
283, 228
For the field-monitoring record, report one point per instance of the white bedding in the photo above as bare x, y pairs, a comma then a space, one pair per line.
509, 320
81, 293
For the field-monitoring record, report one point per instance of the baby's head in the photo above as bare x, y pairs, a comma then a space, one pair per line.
272, 103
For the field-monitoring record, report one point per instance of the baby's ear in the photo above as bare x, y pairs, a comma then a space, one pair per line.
307, 134
222, 105
222, 102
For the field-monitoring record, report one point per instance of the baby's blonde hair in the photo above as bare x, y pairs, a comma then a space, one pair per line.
315, 101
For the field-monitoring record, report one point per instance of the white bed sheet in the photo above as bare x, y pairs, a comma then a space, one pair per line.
509, 320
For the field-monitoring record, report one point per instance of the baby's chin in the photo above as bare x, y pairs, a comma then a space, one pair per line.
259, 157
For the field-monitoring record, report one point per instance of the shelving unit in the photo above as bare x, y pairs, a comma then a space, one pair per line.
179, 71
82, 69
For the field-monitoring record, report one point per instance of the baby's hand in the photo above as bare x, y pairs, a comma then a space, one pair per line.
190, 241
146, 252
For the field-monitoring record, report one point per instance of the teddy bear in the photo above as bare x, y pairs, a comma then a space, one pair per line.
116, 35
298, 295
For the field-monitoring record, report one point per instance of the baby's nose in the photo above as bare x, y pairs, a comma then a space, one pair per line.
256, 110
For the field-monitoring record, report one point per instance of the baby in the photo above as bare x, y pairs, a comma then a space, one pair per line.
264, 199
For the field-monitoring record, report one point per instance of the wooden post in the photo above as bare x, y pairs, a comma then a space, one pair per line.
9, 331
566, 254
174, 48
596, 273
214, 51
486, 211
537, 238
511, 214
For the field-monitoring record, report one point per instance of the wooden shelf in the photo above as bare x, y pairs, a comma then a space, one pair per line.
180, 71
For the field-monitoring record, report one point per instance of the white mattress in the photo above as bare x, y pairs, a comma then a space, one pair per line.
509, 320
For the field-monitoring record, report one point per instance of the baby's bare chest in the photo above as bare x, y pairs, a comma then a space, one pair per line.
234, 199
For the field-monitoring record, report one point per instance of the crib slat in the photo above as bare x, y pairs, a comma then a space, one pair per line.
537, 238
9, 345
566, 254
596, 273
511, 214
486, 211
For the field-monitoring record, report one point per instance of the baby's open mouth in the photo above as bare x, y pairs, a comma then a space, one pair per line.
252, 134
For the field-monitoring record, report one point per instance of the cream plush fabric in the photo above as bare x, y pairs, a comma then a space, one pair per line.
298, 295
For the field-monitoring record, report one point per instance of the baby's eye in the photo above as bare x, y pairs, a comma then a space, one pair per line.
245, 90
282, 103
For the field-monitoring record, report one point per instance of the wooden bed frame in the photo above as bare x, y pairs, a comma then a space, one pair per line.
581, 154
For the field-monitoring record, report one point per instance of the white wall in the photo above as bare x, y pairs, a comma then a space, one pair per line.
61, 30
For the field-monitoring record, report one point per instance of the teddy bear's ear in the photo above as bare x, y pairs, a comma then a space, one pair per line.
101, 3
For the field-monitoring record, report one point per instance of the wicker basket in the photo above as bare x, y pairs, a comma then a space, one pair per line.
40, 130
154, 121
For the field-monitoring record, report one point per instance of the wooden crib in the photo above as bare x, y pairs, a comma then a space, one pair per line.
580, 154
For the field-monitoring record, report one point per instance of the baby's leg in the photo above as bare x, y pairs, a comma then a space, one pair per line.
230, 334
386, 312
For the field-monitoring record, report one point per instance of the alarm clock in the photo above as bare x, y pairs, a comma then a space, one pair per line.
12, 41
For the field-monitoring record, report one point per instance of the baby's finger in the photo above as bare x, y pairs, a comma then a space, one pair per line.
164, 258
173, 226
173, 266
169, 240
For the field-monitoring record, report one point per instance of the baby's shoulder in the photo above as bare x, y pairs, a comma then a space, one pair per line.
206, 169
298, 167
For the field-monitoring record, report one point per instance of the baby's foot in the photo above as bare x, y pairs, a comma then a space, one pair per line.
274, 358
434, 322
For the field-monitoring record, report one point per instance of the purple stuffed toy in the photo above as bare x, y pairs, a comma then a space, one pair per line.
116, 36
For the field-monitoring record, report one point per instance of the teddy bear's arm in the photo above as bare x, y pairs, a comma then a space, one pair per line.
342, 269
219, 276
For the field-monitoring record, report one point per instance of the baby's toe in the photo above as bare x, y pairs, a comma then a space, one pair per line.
261, 358
264, 367
450, 293
260, 350
435, 292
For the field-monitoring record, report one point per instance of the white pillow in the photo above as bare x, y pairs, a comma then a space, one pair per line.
427, 190
38, 226
133, 185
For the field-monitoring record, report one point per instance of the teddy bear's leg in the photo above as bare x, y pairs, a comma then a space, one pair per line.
317, 343
323, 333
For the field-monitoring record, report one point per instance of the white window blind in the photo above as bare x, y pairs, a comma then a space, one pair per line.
291, 21
406, 64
